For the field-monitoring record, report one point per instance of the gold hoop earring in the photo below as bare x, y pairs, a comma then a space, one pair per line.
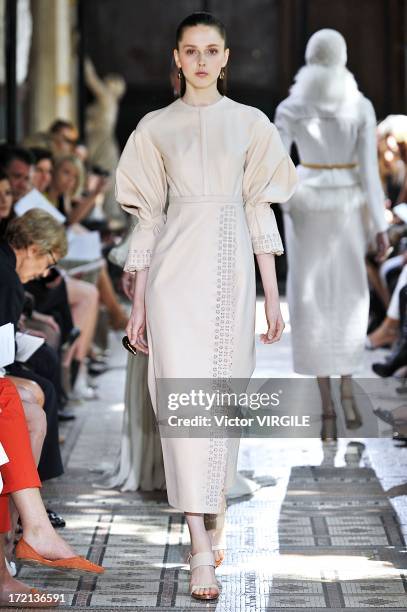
222, 74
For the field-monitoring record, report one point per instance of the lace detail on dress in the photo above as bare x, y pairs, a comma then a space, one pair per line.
137, 260
268, 243
222, 359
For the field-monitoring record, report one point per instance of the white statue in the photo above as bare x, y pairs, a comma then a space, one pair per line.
101, 117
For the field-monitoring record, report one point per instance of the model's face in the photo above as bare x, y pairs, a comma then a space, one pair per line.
201, 55
6, 199
19, 174
42, 175
66, 178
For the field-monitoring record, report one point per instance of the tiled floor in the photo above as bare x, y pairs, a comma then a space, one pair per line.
329, 534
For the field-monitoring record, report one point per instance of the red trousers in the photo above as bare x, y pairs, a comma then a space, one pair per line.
20, 472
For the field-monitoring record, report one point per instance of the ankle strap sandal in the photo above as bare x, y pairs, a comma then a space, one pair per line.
197, 560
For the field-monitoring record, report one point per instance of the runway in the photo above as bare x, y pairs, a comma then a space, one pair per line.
330, 533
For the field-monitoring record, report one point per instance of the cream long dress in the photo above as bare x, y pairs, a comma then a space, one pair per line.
221, 165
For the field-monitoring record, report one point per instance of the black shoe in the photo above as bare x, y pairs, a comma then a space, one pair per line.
74, 335
95, 369
64, 415
396, 361
56, 521
75, 365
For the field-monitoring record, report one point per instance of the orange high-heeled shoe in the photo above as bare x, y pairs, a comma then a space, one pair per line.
25, 553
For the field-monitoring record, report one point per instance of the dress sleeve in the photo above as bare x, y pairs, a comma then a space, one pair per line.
369, 169
141, 189
269, 176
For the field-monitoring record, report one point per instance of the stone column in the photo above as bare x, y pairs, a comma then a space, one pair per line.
51, 91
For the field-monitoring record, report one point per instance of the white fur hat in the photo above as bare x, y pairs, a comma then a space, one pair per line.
327, 48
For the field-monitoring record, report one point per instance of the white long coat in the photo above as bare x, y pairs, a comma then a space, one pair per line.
330, 219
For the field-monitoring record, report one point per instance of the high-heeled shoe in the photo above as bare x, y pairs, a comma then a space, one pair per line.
215, 547
329, 430
26, 554
197, 560
397, 360
353, 419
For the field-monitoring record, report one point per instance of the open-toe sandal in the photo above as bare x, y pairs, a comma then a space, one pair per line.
203, 558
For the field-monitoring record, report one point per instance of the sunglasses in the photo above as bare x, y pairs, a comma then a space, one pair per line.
71, 141
54, 261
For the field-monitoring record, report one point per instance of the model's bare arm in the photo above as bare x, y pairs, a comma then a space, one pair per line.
274, 318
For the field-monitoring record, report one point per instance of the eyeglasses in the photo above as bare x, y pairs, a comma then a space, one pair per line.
54, 261
71, 141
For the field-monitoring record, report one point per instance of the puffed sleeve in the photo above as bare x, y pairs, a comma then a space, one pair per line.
369, 168
141, 189
269, 177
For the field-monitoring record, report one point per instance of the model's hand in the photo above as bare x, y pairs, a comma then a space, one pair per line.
136, 329
274, 321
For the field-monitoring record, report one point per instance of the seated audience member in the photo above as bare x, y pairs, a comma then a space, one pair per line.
51, 299
33, 243
6, 202
60, 138
67, 189
398, 310
43, 166
40, 544
17, 163
63, 137
67, 181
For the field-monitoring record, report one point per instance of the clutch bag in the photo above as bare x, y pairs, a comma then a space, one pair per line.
128, 346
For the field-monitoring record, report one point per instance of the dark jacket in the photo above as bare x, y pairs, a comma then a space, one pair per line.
11, 289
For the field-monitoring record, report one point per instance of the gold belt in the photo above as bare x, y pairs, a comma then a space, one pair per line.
330, 166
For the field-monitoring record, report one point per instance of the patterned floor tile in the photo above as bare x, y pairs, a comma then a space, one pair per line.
326, 536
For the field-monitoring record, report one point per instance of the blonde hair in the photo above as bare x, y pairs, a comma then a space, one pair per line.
75, 161
37, 227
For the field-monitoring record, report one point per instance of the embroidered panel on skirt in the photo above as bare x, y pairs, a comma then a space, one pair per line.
223, 349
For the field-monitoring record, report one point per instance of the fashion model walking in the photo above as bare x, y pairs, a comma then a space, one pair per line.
221, 163
337, 209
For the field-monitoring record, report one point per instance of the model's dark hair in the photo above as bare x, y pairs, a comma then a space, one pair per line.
3, 175
206, 19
